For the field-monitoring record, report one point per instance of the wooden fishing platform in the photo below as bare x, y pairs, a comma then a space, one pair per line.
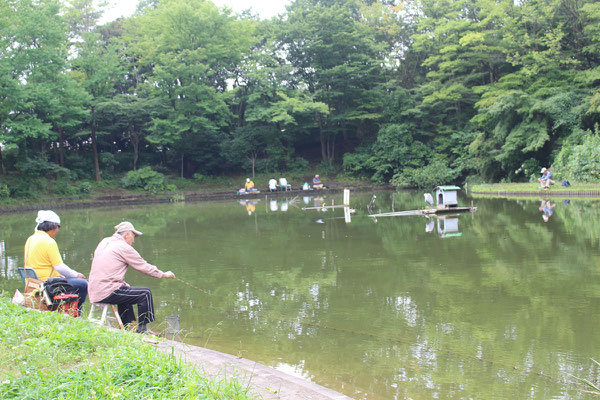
324, 207
427, 211
448, 210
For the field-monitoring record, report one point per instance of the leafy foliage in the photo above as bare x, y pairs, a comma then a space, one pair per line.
492, 88
4, 192
435, 174
40, 167
580, 162
144, 178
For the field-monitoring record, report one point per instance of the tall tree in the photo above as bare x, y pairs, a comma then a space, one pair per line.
524, 116
130, 116
100, 66
32, 66
262, 96
335, 55
193, 47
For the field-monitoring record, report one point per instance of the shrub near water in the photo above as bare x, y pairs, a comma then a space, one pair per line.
52, 356
580, 162
144, 178
4, 192
434, 174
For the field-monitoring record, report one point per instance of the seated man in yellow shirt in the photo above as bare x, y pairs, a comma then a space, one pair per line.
249, 186
41, 254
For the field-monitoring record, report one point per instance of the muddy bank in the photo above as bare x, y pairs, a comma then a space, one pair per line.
119, 199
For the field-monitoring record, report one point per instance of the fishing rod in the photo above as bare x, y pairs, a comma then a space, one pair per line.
192, 286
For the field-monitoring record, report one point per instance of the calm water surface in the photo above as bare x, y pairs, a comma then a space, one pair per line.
498, 304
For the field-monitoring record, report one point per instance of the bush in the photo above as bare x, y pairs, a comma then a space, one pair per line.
144, 178
298, 164
27, 187
360, 165
85, 187
64, 187
199, 177
264, 165
4, 192
326, 168
80, 165
108, 164
396, 149
35, 167
435, 174
579, 162
474, 180
529, 171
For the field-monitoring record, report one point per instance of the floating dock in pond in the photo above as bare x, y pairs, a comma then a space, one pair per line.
446, 204
448, 210
427, 211
324, 207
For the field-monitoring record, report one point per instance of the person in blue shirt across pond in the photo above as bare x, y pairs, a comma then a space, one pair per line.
317, 184
547, 209
546, 179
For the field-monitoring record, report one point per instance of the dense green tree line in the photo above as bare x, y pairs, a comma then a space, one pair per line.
418, 92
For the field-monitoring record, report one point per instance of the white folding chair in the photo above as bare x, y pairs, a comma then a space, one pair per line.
103, 320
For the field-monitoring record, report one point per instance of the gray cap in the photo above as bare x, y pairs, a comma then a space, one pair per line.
126, 226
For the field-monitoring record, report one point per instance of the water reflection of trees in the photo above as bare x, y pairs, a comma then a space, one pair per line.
508, 308
432, 318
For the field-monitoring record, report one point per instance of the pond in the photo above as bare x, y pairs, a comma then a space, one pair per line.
501, 303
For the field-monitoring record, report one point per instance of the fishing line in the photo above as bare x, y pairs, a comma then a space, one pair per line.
228, 312
529, 371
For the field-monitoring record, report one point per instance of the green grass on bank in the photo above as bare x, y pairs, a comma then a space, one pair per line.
47, 355
532, 187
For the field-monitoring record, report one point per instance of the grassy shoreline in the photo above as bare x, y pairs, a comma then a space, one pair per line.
532, 187
47, 355
111, 191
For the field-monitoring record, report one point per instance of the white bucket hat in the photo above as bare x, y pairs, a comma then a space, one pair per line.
46, 216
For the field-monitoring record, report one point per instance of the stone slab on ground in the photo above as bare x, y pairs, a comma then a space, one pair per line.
264, 382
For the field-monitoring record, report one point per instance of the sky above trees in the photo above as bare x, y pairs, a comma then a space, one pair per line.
264, 8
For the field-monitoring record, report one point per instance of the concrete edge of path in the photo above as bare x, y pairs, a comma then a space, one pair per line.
264, 382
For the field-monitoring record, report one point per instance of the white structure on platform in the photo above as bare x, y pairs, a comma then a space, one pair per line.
445, 196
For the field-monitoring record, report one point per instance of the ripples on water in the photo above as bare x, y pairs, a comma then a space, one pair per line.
496, 304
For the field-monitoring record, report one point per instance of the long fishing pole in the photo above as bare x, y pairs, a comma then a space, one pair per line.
192, 286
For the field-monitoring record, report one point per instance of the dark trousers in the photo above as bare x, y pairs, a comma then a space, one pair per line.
80, 286
125, 297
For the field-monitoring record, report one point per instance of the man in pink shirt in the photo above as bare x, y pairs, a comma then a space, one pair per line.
107, 285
